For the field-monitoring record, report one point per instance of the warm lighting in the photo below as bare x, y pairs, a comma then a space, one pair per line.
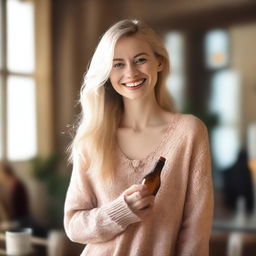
218, 57
252, 166
251, 148
217, 49
251, 143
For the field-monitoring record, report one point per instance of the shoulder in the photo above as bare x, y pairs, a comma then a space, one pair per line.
191, 133
188, 128
189, 123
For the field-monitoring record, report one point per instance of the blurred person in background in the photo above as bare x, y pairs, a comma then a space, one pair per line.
128, 121
3, 209
238, 183
14, 195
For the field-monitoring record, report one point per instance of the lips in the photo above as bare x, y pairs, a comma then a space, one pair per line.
134, 84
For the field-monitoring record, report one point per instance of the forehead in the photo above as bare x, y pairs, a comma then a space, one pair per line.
129, 46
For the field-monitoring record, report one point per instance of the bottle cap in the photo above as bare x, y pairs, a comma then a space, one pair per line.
162, 159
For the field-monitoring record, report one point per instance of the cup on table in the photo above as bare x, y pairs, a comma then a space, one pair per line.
18, 241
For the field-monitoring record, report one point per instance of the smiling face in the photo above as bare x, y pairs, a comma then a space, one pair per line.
135, 68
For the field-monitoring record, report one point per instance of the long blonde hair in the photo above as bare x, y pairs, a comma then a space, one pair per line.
102, 107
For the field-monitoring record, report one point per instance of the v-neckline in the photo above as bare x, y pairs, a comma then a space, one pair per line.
151, 154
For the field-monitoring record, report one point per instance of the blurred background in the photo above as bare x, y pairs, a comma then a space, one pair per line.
45, 47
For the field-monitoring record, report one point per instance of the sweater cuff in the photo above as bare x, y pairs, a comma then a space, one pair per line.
119, 212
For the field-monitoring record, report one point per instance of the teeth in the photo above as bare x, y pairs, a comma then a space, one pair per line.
135, 84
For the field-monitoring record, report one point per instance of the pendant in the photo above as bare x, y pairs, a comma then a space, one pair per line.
135, 164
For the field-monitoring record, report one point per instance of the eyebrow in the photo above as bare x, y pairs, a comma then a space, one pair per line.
137, 55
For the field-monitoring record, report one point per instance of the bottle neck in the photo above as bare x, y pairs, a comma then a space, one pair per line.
158, 167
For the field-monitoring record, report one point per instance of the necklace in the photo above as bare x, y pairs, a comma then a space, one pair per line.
136, 164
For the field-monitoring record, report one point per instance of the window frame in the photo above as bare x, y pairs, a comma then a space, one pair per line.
5, 74
3, 77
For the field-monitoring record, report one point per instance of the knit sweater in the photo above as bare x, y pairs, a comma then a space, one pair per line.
180, 222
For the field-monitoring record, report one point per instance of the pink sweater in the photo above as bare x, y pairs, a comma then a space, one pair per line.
180, 222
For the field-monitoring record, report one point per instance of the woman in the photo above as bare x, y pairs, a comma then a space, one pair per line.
128, 122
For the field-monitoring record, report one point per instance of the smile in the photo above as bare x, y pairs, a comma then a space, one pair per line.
135, 83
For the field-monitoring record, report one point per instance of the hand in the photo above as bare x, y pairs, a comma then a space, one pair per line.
138, 199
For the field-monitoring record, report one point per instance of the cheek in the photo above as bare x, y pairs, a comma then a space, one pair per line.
114, 82
114, 77
154, 76
152, 71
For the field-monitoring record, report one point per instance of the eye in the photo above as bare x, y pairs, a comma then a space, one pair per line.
118, 65
140, 61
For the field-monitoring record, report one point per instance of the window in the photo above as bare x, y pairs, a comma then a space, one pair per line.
225, 100
17, 81
176, 83
217, 49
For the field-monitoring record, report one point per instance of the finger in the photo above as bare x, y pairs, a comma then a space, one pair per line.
145, 192
134, 188
137, 196
143, 203
131, 199
135, 201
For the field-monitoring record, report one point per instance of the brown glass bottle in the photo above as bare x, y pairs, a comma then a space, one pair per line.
153, 179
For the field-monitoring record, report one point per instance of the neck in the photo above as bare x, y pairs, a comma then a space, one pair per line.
140, 114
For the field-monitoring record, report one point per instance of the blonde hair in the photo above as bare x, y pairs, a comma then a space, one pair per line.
102, 107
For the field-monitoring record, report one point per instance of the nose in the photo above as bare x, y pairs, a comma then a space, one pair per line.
131, 70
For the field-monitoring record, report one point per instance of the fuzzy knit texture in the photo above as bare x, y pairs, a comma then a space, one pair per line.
180, 223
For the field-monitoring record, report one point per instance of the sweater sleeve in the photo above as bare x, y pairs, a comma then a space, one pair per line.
194, 235
84, 221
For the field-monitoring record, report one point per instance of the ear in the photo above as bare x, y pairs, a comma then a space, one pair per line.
160, 63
